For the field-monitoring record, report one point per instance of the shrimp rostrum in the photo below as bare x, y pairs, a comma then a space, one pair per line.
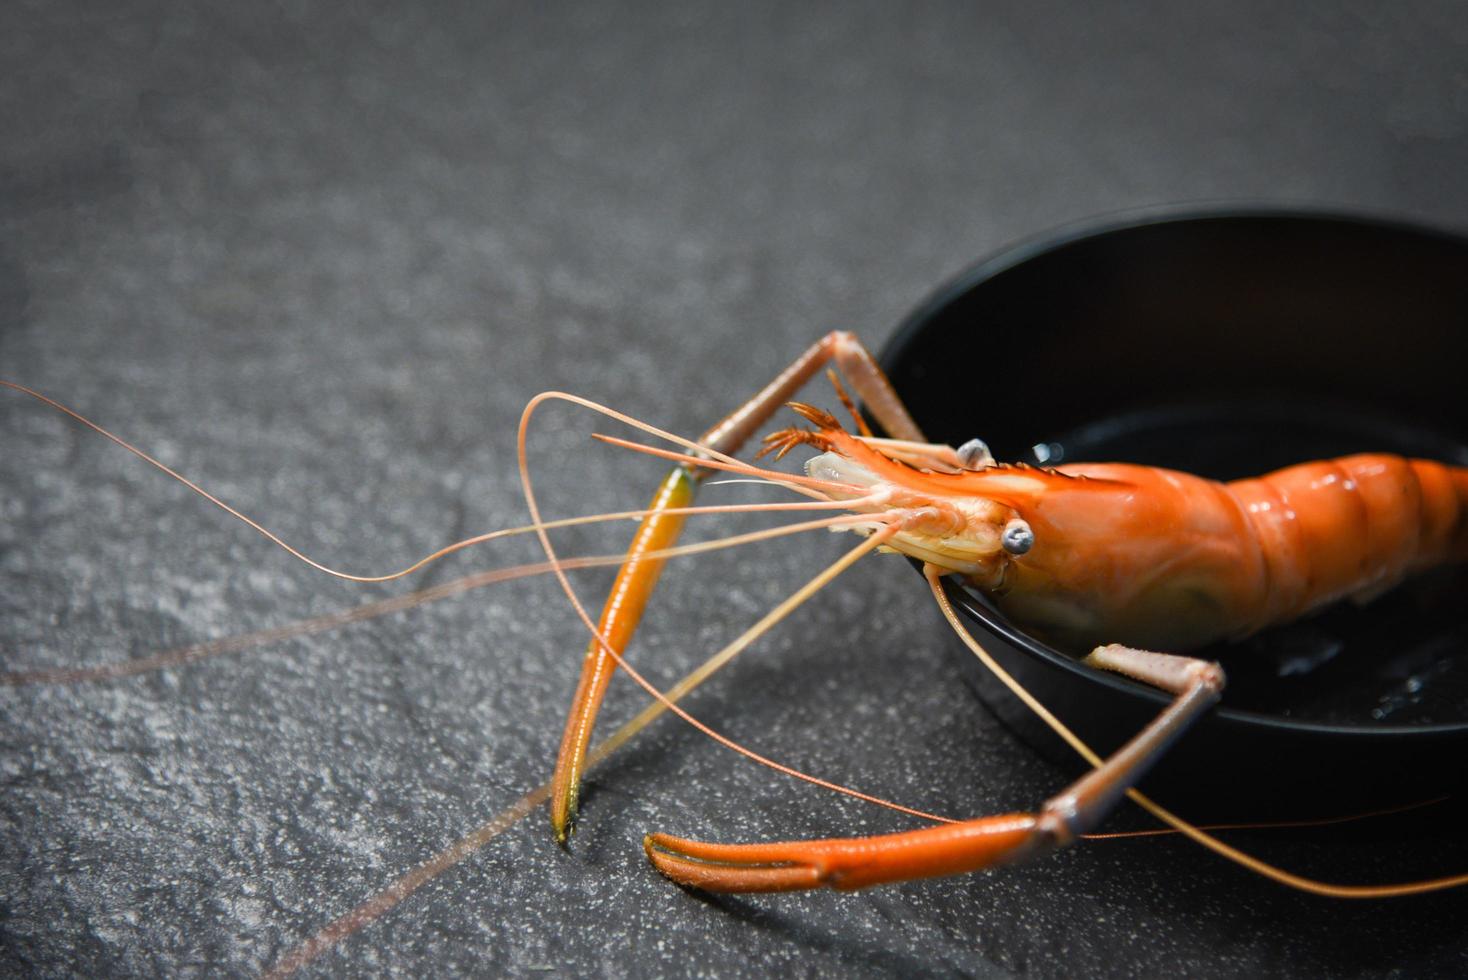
1140, 565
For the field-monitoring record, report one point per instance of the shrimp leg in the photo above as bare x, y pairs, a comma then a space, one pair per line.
971, 845
637, 578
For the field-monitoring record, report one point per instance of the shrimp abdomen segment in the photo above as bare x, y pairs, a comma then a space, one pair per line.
1350, 526
1444, 509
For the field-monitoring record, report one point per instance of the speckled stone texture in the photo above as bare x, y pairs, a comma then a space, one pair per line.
319, 256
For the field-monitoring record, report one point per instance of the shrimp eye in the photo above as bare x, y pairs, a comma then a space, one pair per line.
1017, 537
975, 455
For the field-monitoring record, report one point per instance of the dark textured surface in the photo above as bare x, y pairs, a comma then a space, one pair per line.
319, 261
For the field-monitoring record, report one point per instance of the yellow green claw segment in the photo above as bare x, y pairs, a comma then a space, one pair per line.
623, 610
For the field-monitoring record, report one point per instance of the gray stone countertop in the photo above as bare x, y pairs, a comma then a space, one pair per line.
319, 262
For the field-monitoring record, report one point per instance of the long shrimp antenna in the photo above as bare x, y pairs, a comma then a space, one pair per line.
1199, 835
193, 653
197, 652
466, 542
1270, 824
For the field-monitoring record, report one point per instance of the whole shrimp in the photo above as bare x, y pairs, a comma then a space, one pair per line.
1131, 560
1116, 554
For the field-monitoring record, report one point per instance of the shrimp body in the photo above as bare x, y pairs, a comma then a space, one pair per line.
1167, 560
1109, 552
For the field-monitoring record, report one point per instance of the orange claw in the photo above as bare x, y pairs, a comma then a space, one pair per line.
846, 863
633, 587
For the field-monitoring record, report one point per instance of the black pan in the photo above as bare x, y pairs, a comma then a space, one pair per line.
1227, 344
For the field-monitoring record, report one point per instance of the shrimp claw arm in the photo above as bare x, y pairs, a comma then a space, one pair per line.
843, 863
636, 580
856, 862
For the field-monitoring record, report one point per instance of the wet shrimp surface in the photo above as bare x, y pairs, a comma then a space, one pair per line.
319, 260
